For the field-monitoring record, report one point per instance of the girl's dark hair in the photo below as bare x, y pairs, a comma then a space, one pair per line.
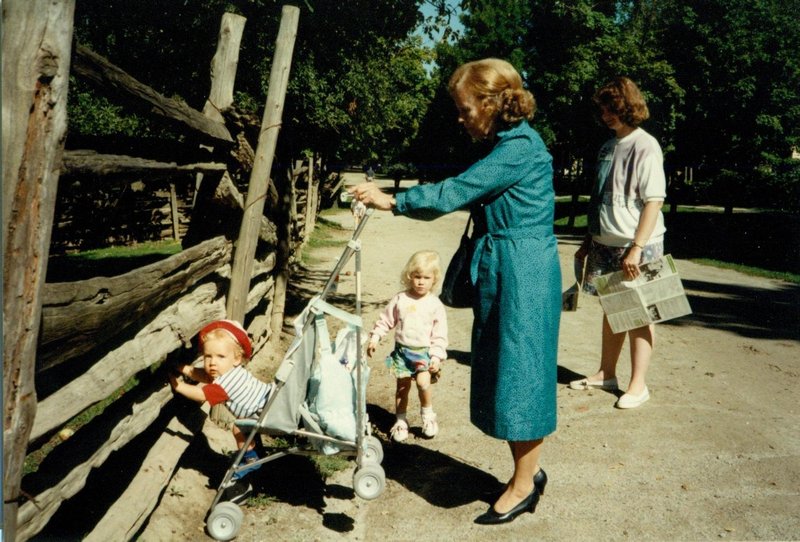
623, 98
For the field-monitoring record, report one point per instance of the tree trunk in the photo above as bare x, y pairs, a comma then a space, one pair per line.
37, 41
265, 152
311, 200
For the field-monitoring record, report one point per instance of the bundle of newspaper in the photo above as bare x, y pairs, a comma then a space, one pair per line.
656, 295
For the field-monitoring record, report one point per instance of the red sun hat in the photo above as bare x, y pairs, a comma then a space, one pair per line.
232, 327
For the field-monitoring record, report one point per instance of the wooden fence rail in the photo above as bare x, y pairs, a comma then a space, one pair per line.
110, 340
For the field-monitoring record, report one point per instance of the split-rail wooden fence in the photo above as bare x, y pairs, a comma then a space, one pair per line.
70, 346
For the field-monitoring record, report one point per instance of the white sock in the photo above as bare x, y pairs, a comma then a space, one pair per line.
401, 417
426, 411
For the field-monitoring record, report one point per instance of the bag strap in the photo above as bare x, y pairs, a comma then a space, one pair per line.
466, 228
583, 274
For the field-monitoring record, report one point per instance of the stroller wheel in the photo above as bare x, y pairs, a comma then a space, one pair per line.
225, 521
373, 452
369, 481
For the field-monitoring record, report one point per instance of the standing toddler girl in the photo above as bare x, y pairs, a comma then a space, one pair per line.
420, 324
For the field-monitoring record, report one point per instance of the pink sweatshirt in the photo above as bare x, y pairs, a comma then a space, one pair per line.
417, 323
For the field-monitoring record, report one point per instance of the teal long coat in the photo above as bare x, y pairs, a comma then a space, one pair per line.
517, 280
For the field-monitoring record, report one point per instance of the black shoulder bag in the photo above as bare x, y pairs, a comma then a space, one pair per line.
457, 287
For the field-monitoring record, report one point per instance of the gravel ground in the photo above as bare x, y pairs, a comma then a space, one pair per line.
715, 453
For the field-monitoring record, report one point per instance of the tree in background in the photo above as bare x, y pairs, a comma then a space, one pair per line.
564, 52
721, 78
737, 61
358, 87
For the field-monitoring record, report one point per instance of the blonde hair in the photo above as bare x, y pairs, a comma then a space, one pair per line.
219, 334
497, 87
422, 261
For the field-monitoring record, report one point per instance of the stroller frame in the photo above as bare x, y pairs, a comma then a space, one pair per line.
225, 518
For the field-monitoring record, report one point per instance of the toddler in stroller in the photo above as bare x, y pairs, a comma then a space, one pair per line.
318, 402
223, 379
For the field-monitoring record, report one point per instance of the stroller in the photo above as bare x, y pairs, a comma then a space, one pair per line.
317, 398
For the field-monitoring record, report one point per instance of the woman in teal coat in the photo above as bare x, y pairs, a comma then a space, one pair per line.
515, 269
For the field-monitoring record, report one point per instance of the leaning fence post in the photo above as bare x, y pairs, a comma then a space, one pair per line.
265, 153
37, 41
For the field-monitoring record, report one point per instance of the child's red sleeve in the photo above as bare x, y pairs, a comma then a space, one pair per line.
215, 394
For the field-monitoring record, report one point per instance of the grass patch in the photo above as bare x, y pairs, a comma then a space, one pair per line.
328, 465
261, 500
749, 270
35, 458
580, 222
326, 234
164, 248
751, 241
108, 262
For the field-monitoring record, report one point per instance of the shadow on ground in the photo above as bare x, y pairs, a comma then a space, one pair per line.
748, 311
421, 470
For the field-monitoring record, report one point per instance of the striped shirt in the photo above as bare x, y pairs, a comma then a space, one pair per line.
242, 393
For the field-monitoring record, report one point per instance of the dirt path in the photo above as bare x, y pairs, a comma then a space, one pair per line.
715, 454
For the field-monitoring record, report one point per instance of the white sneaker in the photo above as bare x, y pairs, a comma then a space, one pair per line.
430, 427
399, 431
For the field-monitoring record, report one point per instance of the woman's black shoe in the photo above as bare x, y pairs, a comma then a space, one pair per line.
491, 517
540, 480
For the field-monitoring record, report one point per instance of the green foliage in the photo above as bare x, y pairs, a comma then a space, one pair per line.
358, 87
721, 77
737, 63
90, 114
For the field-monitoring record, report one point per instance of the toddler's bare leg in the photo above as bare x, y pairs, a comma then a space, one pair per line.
401, 395
424, 388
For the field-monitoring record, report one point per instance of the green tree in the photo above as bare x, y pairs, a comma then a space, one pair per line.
564, 51
738, 64
358, 85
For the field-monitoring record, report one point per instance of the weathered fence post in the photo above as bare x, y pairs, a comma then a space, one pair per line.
37, 41
265, 153
311, 200
174, 213
223, 72
223, 66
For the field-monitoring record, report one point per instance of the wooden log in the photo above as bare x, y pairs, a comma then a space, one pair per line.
174, 215
223, 66
265, 152
37, 40
284, 250
141, 497
218, 211
223, 75
174, 328
312, 198
119, 83
78, 162
169, 331
76, 315
120, 430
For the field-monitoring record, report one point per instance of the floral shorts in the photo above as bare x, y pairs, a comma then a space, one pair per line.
406, 361
603, 259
